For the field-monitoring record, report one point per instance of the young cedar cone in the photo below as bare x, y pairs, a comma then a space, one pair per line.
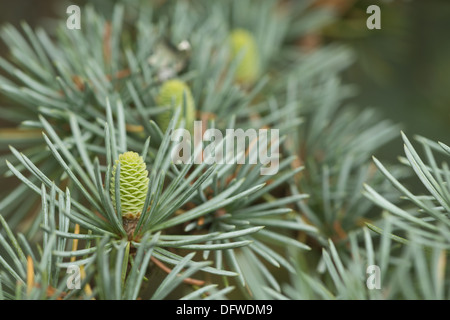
243, 44
171, 94
133, 184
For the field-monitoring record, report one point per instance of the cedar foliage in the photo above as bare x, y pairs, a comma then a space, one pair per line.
78, 99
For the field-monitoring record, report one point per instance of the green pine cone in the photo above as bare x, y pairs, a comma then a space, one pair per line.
133, 184
248, 68
172, 92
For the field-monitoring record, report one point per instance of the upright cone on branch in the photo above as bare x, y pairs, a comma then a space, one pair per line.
243, 45
171, 94
133, 177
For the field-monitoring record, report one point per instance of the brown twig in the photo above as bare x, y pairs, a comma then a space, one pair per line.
30, 274
107, 42
166, 269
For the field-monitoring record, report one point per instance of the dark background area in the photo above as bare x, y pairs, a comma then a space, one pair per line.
402, 70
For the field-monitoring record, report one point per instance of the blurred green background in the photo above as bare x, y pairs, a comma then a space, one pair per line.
402, 70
